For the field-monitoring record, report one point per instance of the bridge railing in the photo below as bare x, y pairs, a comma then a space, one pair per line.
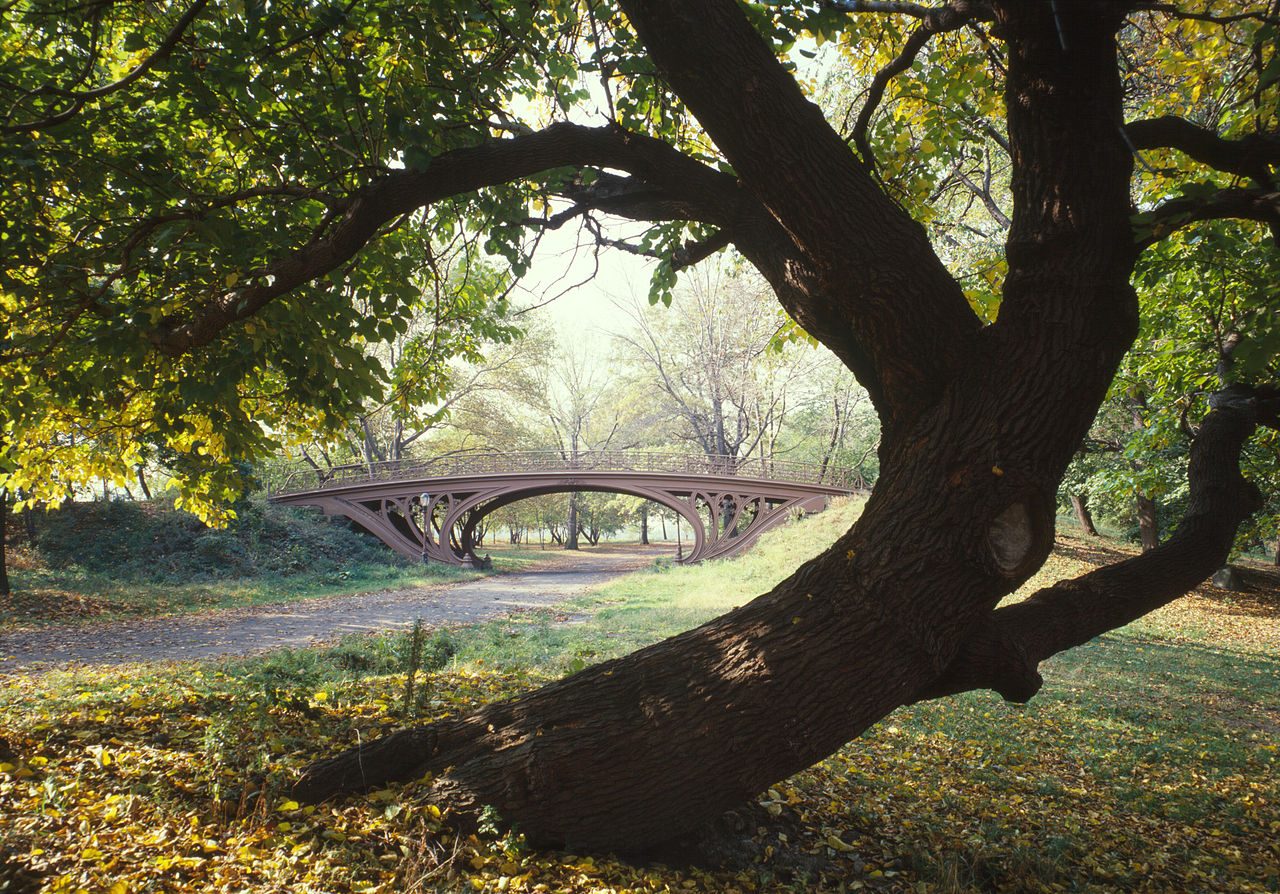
307, 477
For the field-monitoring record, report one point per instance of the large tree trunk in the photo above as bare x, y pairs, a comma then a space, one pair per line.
979, 424
644, 524
1080, 505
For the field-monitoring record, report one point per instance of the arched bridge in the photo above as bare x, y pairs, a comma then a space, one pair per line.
430, 509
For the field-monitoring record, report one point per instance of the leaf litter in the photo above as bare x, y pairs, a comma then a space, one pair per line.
1147, 764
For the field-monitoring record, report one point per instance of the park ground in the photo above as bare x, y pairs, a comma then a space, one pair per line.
1148, 763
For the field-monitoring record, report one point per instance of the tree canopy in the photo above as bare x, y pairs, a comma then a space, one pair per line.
208, 212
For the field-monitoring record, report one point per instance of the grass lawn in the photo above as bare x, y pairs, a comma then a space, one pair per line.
1148, 762
41, 596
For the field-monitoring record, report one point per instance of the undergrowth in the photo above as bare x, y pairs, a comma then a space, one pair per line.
1148, 763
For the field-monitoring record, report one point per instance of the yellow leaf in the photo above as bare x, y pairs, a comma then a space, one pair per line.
839, 845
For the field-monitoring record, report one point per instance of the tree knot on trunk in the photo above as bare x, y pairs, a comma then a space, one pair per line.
1019, 536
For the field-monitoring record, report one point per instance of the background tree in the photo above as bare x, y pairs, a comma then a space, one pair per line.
710, 363
578, 414
1209, 321
185, 236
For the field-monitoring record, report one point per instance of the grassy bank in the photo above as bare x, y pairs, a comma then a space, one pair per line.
1148, 763
118, 560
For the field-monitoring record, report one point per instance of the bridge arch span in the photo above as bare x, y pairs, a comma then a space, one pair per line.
418, 516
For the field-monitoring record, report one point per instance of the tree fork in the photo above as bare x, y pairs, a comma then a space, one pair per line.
1005, 653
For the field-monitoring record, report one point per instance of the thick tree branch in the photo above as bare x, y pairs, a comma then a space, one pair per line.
1005, 652
1251, 156
707, 195
1233, 204
880, 291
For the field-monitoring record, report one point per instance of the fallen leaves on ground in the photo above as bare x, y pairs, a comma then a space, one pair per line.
1148, 764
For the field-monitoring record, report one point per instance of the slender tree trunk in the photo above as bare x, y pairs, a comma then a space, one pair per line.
142, 482
1080, 503
644, 524
4, 531
571, 536
29, 523
1148, 522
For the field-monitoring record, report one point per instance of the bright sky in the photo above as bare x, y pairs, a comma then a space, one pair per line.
585, 308
561, 263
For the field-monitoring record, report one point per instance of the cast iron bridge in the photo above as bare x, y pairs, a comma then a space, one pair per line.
430, 509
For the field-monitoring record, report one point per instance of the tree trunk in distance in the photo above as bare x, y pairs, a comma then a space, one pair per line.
571, 536
1275, 560
1148, 525
644, 524
4, 530
142, 483
1080, 503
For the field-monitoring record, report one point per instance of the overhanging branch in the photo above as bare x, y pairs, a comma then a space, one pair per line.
1251, 156
704, 194
1227, 204
78, 98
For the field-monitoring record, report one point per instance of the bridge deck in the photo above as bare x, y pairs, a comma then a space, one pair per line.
468, 463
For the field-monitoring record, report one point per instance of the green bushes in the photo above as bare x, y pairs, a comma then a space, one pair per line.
150, 542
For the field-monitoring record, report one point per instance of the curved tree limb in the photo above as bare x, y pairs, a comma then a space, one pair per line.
80, 97
1005, 652
933, 20
904, 60
1250, 156
881, 290
1258, 205
706, 194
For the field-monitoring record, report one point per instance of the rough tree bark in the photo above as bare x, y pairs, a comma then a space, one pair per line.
978, 424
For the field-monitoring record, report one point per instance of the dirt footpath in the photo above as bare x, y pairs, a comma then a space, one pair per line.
311, 621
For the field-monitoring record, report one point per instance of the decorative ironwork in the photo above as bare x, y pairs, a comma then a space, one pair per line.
429, 509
